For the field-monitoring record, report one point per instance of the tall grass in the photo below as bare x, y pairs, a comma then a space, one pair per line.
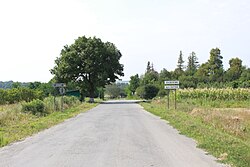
16, 124
222, 127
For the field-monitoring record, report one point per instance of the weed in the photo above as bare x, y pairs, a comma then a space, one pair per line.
16, 125
223, 132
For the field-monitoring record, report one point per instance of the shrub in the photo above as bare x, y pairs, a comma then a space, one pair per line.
15, 95
36, 107
162, 93
70, 101
147, 92
140, 91
53, 104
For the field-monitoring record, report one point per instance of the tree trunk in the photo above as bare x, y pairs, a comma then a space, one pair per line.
91, 93
82, 96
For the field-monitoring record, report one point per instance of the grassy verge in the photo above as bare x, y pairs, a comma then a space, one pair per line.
223, 132
16, 125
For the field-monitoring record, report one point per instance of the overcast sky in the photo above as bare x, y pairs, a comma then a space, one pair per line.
33, 32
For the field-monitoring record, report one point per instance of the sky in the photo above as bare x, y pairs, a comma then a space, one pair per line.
33, 32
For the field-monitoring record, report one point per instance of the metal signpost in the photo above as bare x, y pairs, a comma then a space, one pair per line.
172, 85
61, 87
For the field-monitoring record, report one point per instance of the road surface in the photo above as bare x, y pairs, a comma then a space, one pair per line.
114, 134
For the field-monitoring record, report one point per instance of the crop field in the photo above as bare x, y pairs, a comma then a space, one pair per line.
215, 94
218, 119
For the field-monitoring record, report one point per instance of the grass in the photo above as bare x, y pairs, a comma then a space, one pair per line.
16, 125
218, 127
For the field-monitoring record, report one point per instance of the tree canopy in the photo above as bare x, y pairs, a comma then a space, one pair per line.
134, 83
90, 63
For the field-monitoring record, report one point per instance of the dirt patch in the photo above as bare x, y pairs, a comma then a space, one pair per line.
232, 120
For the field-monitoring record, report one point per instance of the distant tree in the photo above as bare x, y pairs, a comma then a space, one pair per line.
148, 69
202, 73
147, 91
245, 75
134, 83
152, 67
180, 66
235, 69
34, 85
123, 88
16, 85
6, 85
90, 63
47, 89
193, 64
150, 76
165, 75
188, 81
113, 90
215, 66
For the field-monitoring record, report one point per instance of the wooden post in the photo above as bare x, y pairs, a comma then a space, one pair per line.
55, 102
175, 105
168, 98
62, 103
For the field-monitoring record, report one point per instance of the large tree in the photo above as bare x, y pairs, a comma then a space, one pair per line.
180, 66
151, 76
193, 64
113, 90
90, 63
215, 65
235, 69
134, 83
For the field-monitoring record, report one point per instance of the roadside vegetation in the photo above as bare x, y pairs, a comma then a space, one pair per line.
213, 104
86, 67
23, 119
219, 124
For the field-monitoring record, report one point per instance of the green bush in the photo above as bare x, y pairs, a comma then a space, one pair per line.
15, 95
162, 93
36, 107
2, 140
147, 92
53, 104
71, 100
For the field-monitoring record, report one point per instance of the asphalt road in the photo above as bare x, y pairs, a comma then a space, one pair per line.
114, 134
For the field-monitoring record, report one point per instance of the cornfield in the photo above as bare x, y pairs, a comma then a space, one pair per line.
215, 94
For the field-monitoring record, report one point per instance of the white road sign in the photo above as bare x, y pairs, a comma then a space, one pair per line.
171, 82
59, 85
171, 87
62, 91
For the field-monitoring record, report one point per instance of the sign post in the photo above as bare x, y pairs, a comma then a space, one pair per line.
61, 87
172, 85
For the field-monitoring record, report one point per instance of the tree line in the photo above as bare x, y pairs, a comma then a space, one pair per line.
89, 65
192, 75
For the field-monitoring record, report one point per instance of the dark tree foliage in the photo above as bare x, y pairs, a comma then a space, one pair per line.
134, 83
113, 90
235, 69
209, 74
90, 63
203, 73
215, 66
180, 65
148, 69
193, 64
147, 91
